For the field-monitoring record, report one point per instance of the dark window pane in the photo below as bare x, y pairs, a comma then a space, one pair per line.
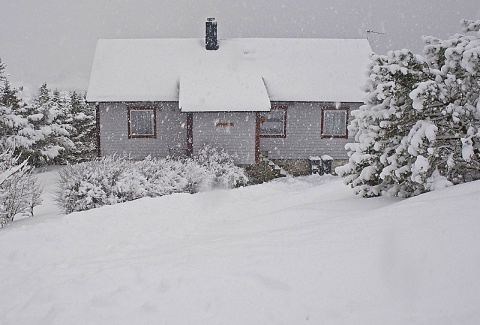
334, 122
141, 122
273, 123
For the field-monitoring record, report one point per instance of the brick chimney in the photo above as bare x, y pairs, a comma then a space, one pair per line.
211, 42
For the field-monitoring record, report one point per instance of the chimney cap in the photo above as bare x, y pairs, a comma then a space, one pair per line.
210, 19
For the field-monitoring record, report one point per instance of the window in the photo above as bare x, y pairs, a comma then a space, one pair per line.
274, 123
141, 122
334, 122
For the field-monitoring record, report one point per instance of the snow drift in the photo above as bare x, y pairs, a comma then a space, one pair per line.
292, 251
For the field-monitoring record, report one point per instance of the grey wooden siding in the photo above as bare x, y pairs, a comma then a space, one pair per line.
170, 125
303, 134
238, 139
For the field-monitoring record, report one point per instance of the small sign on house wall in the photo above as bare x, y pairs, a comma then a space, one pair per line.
224, 124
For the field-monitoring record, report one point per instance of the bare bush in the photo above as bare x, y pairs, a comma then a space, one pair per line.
19, 190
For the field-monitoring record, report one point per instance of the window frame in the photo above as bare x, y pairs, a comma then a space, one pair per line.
284, 108
154, 122
346, 110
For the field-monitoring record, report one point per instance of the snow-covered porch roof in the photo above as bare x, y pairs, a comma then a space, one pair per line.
213, 91
243, 74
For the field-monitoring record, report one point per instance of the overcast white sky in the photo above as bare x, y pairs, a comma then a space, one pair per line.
54, 41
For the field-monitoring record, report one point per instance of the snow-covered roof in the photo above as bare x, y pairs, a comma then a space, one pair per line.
237, 76
204, 90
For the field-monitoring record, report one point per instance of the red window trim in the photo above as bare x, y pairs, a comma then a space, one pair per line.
257, 138
142, 108
276, 107
333, 108
190, 135
97, 129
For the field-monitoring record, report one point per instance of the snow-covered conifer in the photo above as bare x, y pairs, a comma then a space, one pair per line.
452, 99
81, 117
12, 122
2, 74
419, 127
50, 133
375, 165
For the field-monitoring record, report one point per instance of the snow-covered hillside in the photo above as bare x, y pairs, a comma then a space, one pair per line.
292, 251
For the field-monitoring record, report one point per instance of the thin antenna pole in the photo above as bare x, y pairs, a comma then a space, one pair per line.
373, 32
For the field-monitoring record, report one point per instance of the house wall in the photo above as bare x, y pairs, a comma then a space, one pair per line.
170, 125
234, 132
303, 134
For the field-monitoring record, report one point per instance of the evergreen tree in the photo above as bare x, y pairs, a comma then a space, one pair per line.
51, 128
60, 125
12, 123
50, 132
419, 127
81, 116
376, 165
3, 78
9, 96
453, 101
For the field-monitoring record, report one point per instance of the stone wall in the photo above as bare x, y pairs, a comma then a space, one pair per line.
301, 167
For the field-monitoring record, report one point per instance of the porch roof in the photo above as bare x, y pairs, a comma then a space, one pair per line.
204, 90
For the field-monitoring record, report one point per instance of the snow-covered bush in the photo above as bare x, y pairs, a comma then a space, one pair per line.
419, 127
221, 167
93, 184
19, 191
167, 176
111, 180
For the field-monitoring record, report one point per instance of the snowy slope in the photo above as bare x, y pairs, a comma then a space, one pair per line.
293, 251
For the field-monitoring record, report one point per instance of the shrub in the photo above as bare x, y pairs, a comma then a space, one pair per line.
167, 176
19, 191
222, 169
111, 180
93, 184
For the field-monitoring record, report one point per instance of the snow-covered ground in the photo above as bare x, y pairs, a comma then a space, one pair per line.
293, 251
